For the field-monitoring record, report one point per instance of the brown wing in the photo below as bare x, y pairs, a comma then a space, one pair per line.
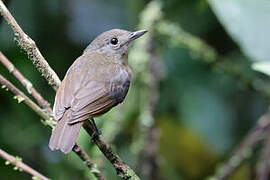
92, 100
70, 84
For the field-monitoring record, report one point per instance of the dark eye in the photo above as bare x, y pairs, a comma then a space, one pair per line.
114, 41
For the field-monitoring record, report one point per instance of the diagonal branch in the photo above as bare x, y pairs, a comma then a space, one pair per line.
17, 162
28, 45
89, 163
122, 169
21, 97
244, 149
25, 82
263, 167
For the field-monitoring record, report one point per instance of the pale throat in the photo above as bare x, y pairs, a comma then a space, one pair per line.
120, 56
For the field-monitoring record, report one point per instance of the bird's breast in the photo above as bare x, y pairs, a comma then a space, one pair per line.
120, 83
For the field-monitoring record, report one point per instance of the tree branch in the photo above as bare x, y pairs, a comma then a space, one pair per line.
21, 97
17, 162
6, 2
263, 167
122, 169
25, 82
244, 149
86, 159
28, 45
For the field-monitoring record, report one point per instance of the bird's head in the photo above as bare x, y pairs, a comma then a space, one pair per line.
114, 42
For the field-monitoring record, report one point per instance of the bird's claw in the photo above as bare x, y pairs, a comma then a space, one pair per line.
95, 134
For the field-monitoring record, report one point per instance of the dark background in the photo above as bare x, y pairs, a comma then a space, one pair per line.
201, 113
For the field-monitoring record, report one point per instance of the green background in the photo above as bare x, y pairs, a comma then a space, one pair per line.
202, 112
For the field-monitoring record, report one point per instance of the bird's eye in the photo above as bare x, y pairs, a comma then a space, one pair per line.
114, 41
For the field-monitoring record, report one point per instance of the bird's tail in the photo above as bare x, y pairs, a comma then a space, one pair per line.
64, 135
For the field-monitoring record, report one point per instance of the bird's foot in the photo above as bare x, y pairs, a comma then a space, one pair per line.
95, 134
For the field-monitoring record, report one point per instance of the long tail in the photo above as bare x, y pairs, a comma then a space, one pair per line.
64, 135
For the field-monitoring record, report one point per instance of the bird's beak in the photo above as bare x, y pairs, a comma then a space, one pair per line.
136, 34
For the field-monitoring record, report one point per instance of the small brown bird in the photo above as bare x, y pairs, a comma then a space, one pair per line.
97, 81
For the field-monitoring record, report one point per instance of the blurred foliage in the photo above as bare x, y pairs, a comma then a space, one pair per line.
263, 67
245, 22
202, 112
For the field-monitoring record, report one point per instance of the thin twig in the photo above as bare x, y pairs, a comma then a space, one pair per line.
244, 149
29, 46
25, 82
263, 167
122, 169
90, 164
17, 162
6, 3
21, 97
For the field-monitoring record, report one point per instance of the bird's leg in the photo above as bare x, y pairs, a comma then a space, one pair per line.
96, 132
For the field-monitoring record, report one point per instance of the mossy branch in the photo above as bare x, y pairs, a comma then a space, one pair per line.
122, 169
25, 82
30, 48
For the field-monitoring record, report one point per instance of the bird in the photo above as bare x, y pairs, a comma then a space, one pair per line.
96, 82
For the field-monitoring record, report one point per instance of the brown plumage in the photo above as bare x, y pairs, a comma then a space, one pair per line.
97, 81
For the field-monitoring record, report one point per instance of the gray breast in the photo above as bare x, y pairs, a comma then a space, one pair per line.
119, 85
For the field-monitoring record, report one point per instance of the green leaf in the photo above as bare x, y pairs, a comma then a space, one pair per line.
248, 23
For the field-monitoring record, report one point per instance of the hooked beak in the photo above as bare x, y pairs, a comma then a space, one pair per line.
137, 34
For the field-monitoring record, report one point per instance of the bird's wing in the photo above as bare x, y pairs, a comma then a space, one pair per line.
67, 88
90, 92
